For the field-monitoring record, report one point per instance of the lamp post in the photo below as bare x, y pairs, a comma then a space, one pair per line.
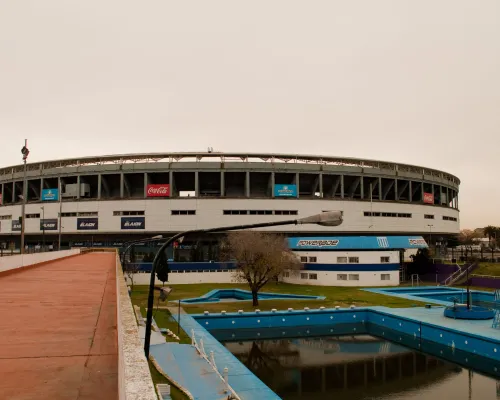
430, 234
331, 218
24, 152
43, 228
138, 241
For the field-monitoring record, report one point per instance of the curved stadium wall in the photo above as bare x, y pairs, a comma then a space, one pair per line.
121, 196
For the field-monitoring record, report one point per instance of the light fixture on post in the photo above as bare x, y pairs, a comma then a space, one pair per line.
330, 218
25, 152
43, 228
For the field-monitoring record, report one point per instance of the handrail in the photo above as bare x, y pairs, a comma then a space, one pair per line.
485, 276
450, 278
462, 273
211, 361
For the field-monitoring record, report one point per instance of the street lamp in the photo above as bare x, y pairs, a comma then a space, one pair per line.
138, 241
330, 218
24, 152
43, 228
430, 234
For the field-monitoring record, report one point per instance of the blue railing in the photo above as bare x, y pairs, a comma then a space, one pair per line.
189, 266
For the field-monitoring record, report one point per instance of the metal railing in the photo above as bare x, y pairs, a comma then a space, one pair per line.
452, 276
415, 280
484, 276
211, 361
463, 272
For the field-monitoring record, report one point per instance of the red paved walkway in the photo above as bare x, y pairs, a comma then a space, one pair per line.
58, 330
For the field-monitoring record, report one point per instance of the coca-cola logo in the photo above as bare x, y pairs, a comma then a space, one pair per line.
160, 190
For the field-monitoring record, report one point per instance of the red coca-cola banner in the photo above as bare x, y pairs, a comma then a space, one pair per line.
428, 198
158, 190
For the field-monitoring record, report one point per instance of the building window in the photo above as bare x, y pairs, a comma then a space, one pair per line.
88, 214
5, 216
183, 212
286, 212
341, 277
354, 277
69, 214
446, 218
286, 274
385, 277
386, 214
118, 213
404, 215
341, 260
428, 216
32, 215
313, 276
313, 259
235, 212
303, 276
354, 260
384, 260
303, 259
261, 212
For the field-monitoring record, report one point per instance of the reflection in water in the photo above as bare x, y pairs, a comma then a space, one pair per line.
358, 368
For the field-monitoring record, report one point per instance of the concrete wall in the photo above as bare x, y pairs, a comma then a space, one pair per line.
24, 260
209, 213
336, 278
134, 377
187, 277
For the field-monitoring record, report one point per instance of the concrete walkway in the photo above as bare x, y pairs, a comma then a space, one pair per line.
58, 336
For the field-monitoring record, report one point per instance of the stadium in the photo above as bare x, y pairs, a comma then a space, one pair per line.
108, 200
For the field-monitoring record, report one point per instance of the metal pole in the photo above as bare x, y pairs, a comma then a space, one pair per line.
60, 215
149, 318
43, 228
179, 318
25, 153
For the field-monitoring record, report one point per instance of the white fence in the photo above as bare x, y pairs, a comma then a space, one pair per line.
25, 260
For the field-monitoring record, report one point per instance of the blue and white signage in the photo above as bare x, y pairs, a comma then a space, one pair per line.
285, 190
357, 243
133, 223
16, 226
87, 224
50, 194
48, 224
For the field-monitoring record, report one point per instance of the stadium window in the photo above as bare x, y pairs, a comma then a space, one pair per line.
341, 277
303, 259
303, 276
261, 212
183, 212
313, 259
313, 276
385, 277
384, 260
5, 216
354, 260
88, 214
404, 215
286, 212
446, 218
428, 216
32, 215
354, 277
341, 260
235, 212
69, 214
118, 213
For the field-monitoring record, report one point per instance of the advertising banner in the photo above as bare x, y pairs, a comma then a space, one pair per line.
50, 194
428, 198
87, 224
133, 223
158, 190
48, 224
285, 190
16, 226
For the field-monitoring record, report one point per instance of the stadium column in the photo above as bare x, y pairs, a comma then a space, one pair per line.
362, 189
441, 194
78, 187
272, 182
321, 184
2, 194
171, 182
380, 188
410, 193
99, 183
196, 183
122, 185
433, 194
247, 183
14, 192
145, 184
297, 184
341, 186
422, 191
396, 194
222, 184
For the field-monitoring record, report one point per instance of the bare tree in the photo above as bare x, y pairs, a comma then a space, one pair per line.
259, 257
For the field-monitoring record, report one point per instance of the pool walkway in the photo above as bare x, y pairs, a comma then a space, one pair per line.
58, 337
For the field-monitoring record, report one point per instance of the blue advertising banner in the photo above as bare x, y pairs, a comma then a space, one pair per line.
50, 194
285, 190
357, 243
87, 224
133, 223
16, 226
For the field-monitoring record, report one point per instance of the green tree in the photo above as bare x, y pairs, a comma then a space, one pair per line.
421, 261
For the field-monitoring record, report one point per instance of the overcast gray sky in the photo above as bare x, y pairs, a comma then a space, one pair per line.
410, 81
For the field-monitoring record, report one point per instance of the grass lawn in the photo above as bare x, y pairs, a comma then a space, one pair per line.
488, 269
335, 296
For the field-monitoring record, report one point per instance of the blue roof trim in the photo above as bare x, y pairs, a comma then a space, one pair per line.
357, 243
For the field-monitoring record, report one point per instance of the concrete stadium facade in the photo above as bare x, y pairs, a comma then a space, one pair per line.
118, 197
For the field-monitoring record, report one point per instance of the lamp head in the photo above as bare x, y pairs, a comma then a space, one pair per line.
328, 218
